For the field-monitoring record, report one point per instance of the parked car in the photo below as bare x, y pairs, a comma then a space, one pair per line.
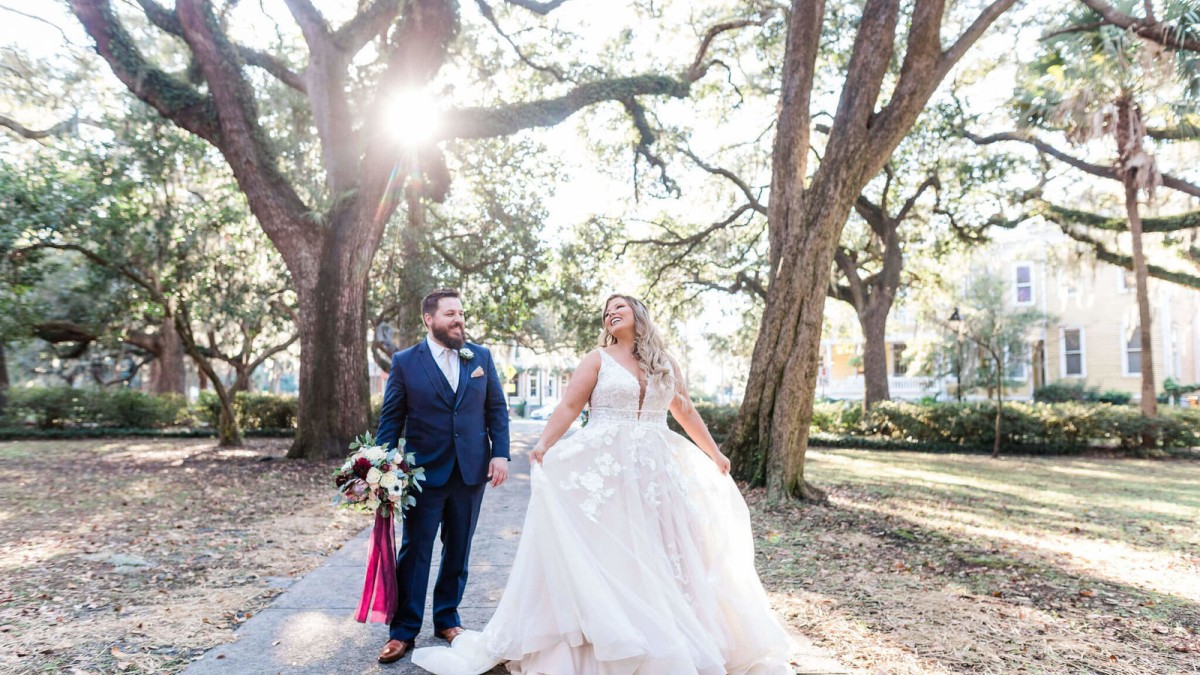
544, 412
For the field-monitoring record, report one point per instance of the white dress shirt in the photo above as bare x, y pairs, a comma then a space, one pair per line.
447, 360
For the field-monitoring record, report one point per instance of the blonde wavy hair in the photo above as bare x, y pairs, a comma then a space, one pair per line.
648, 344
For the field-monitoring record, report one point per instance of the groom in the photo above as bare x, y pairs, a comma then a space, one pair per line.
449, 394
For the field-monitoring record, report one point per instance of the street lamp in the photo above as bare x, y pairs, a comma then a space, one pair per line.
956, 324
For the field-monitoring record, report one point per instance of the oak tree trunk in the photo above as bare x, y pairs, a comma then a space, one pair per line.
873, 321
170, 375
999, 405
333, 379
806, 214
4, 383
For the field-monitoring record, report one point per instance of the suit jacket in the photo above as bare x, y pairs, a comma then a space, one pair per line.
442, 426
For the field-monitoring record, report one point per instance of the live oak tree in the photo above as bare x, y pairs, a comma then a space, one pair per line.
155, 214
342, 78
806, 212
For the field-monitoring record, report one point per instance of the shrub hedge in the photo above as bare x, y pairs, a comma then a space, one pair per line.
62, 407
255, 410
1072, 426
67, 408
1027, 427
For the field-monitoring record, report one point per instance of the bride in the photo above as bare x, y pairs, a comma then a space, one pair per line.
636, 557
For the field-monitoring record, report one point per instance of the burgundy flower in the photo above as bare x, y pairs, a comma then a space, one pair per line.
341, 479
361, 466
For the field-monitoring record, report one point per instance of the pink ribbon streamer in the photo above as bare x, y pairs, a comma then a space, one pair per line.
379, 588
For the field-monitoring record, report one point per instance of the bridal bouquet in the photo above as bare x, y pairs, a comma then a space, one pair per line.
375, 479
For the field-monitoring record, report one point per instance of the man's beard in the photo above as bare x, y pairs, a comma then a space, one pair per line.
444, 336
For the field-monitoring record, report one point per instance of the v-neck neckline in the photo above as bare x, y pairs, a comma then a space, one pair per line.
642, 388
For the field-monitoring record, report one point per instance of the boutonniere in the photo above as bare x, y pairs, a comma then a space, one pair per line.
466, 354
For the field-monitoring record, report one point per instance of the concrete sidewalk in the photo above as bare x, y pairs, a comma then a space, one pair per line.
310, 628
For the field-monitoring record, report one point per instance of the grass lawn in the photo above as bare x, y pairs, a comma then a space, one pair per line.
930, 563
137, 555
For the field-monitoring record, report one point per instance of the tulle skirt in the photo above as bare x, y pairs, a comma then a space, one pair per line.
636, 558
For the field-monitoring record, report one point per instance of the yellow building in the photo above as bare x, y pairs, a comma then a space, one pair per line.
1089, 332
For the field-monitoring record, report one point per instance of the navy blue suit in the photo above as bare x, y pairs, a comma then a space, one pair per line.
454, 435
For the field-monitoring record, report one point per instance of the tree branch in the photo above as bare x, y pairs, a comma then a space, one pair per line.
68, 126
366, 25
1104, 254
486, 10
985, 19
1172, 37
173, 99
698, 68
1058, 214
1095, 169
312, 24
751, 197
276, 203
168, 21
542, 8
507, 119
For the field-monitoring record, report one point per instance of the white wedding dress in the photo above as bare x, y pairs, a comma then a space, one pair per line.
636, 559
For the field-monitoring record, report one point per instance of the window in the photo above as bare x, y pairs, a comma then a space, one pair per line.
899, 364
550, 388
514, 386
1133, 351
1024, 285
1015, 361
533, 384
1072, 352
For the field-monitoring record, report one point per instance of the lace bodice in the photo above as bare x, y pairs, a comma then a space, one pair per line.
615, 397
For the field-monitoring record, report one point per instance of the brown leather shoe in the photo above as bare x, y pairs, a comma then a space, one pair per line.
448, 634
395, 650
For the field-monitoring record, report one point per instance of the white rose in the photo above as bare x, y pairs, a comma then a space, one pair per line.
387, 480
375, 454
373, 476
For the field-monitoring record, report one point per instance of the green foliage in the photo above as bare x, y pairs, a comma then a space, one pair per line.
1062, 392
255, 410
1067, 425
718, 418
61, 407
955, 427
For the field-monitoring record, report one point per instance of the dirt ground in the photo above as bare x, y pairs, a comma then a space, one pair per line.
134, 555
926, 563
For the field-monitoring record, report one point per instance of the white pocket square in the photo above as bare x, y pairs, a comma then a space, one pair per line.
478, 372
